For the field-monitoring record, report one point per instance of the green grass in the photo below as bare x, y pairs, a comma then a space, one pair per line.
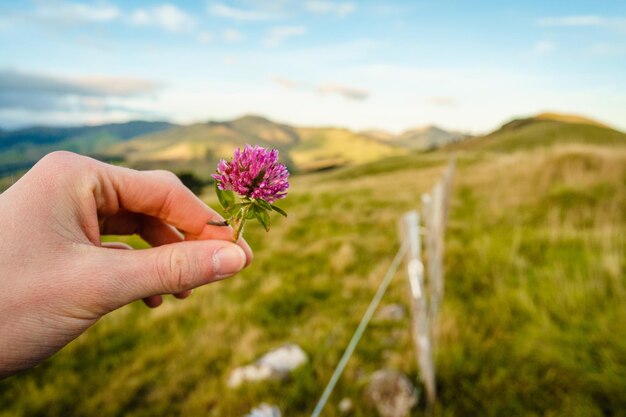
532, 323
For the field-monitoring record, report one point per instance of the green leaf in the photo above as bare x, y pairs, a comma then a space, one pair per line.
279, 210
226, 198
263, 217
264, 204
251, 212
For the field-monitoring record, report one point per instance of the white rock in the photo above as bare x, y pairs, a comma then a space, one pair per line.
392, 393
275, 364
265, 410
345, 406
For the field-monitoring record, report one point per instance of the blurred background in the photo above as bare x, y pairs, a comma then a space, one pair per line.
367, 102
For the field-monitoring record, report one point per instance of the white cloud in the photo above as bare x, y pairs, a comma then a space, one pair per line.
350, 93
443, 101
607, 49
544, 47
583, 21
278, 34
232, 35
27, 98
223, 10
13, 81
230, 60
75, 12
164, 16
329, 7
286, 82
205, 37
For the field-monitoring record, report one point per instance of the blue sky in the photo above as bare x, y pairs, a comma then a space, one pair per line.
361, 64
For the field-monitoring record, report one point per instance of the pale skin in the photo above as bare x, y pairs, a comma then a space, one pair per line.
57, 279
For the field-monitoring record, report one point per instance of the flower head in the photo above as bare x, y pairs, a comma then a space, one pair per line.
255, 173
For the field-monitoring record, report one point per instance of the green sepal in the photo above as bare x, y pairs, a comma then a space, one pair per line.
279, 210
225, 197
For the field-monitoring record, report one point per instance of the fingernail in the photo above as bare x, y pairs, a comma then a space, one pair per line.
228, 261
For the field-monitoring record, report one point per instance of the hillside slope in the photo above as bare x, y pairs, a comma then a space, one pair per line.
427, 138
201, 145
20, 149
321, 148
544, 130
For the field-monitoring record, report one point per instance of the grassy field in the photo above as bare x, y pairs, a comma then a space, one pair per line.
533, 319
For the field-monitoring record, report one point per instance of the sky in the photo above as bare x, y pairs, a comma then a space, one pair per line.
393, 65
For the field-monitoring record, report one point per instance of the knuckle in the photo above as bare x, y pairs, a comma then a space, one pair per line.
60, 158
63, 164
174, 271
167, 175
62, 155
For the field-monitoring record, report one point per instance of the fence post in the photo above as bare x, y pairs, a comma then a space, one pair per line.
436, 213
420, 322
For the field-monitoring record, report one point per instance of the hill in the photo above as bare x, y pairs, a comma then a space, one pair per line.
196, 140
542, 131
569, 118
200, 145
20, 149
194, 148
305, 149
427, 138
322, 148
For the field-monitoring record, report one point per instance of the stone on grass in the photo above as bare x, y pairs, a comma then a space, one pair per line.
391, 393
345, 406
275, 364
264, 410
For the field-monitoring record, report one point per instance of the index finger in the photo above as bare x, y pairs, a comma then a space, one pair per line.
161, 194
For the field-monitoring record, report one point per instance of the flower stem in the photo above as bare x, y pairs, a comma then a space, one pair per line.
239, 224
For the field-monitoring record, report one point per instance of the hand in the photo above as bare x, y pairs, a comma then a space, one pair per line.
57, 279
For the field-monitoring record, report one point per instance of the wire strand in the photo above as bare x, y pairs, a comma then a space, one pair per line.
382, 288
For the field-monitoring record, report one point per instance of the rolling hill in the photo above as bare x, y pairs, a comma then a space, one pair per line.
304, 148
200, 145
194, 148
20, 149
543, 130
427, 138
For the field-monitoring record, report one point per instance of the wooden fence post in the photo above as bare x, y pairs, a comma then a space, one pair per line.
420, 322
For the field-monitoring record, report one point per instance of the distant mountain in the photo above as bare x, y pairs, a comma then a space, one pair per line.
20, 149
322, 148
382, 135
197, 147
545, 129
427, 138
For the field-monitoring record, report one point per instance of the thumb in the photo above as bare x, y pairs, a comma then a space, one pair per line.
168, 269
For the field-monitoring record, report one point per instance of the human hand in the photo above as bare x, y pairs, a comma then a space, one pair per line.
57, 279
